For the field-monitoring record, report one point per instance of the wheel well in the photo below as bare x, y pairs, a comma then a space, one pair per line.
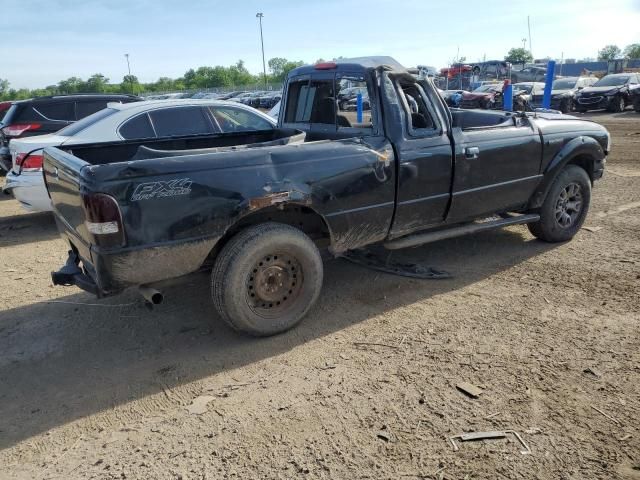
585, 162
298, 216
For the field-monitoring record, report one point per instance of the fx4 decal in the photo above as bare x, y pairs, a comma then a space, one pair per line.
172, 188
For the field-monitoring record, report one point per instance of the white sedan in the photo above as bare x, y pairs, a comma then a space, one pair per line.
125, 121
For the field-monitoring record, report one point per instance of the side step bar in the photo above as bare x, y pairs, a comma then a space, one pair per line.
428, 237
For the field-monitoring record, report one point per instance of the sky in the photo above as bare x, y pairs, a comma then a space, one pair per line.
45, 41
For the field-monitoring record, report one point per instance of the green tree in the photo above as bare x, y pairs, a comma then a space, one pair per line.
632, 51
518, 55
130, 84
71, 85
609, 52
280, 67
4, 87
97, 83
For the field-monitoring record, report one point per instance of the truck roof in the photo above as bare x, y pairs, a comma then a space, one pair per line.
352, 65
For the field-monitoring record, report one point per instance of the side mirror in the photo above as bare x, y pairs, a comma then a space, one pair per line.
580, 87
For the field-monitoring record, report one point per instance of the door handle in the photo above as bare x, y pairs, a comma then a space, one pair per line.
472, 152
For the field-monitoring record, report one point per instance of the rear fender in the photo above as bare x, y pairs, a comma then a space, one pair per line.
583, 151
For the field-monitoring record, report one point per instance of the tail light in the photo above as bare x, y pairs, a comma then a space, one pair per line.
29, 162
103, 220
19, 128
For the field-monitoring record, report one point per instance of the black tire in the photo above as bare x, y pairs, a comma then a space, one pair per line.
269, 252
565, 208
617, 104
566, 106
636, 105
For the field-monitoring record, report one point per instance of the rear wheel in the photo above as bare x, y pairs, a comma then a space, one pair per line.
565, 206
266, 279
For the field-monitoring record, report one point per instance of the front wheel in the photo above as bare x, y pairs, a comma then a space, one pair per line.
617, 104
565, 206
266, 279
566, 106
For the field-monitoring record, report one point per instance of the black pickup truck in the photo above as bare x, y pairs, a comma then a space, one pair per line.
258, 208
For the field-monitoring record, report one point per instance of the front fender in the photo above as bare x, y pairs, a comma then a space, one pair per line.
584, 150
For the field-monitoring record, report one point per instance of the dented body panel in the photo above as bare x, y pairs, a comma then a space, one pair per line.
180, 198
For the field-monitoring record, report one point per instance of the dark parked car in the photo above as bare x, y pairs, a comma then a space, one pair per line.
529, 74
270, 99
612, 92
635, 99
42, 115
140, 213
563, 92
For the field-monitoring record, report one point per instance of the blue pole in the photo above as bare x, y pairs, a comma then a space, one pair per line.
546, 100
508, 98
359, 104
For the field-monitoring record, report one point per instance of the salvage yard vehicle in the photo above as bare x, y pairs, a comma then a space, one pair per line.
612, 92
42, 115
150, 119
563, 92
258, 211
635, 99
529, 74
485, 96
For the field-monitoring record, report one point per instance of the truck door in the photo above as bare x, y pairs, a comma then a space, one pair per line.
424, 152
496, 168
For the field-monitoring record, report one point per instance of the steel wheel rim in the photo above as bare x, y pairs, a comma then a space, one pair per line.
569, 205
274, 284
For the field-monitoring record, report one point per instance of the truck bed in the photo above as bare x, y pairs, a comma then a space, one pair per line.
108, 152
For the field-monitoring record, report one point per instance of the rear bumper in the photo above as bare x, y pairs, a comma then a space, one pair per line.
105, 273
28, 188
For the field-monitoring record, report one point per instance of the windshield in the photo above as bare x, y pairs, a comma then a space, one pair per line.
565, 84
523, 88
86, 122
611, 81
486, 88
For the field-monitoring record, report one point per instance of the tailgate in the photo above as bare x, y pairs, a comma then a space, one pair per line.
62, 172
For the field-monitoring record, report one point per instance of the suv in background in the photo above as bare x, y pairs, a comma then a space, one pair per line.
42, 115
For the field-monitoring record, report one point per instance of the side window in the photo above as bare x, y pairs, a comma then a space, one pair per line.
86, 108
171, 122
230, 119
311, 102
352, 90
137, 127
64, 111
420, 119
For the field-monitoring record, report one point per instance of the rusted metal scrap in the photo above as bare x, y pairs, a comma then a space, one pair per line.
380, 259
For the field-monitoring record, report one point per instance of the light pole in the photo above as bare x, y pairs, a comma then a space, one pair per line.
524, 43
259, 16
129, 70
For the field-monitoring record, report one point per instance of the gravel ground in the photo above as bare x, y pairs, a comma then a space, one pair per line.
365, 387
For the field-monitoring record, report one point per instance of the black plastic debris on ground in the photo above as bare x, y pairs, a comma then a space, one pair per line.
380, 259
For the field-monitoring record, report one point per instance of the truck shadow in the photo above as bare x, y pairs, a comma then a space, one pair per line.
27, 228
69, 358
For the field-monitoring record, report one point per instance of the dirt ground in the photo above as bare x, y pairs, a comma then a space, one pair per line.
365, 387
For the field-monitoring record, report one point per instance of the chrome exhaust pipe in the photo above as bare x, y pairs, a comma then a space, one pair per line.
151, 295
